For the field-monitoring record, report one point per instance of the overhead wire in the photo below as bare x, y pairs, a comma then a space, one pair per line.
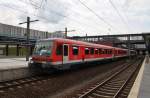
98, 16
59, 14
121, 17
41, 17
131, 28
79, 14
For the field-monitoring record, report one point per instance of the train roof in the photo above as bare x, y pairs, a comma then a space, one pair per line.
80, 43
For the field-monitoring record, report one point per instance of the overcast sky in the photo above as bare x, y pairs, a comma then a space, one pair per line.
94, 17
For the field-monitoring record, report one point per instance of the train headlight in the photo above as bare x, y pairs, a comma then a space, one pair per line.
31, 61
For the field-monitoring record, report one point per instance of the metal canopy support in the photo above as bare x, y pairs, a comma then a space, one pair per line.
17, 50
7, 49
147, 42
129, 46
28, 35
119, 40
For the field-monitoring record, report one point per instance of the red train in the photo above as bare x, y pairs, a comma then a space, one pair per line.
62, 53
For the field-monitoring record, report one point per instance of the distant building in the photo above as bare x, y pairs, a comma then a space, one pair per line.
57, 34
20, 32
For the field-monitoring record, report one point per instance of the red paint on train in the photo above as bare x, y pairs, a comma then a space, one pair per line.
57, 52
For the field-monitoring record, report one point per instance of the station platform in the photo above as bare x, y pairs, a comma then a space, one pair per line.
12, 63
141, 87
12, 68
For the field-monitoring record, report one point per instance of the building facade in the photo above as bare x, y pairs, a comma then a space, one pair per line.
19, 32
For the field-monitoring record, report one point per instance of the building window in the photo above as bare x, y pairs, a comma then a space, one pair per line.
59, 50
75, 50
87, 51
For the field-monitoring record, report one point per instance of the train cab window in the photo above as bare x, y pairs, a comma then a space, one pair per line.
96, 51
59, 50
92, 51
75, 50
87, 51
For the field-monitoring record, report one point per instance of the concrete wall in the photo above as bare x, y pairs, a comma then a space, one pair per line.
12, 74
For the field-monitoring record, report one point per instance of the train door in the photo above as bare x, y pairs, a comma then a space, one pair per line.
65, 53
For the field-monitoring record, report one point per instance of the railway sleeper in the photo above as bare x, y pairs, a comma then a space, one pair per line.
105, 93
116, 81
107, 90
90, 97
100, 96
114, 85
110, 87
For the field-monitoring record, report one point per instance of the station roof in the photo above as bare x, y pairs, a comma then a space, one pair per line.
120, 39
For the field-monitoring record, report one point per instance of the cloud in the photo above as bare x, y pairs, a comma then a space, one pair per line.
55, 15
53, 11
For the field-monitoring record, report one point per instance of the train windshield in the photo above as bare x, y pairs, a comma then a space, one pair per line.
43, 48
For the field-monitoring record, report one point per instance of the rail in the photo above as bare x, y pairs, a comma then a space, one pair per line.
113, 85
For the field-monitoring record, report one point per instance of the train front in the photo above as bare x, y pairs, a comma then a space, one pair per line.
42, 54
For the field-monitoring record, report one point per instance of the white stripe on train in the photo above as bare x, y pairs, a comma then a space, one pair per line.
85, 60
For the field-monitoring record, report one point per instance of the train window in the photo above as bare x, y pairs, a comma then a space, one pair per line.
75, 50
105, 51
92, 51
115, 51
96, 51
100, 51
87, 51
59, 50
110, 51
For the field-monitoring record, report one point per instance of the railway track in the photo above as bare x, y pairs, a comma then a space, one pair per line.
48, 84
9, 85
114, 86
4, 86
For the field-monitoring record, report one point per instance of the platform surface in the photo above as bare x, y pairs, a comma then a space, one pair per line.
144, 91
141, 87
11, 63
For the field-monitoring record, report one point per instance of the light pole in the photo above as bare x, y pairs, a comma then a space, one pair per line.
66, 31
28, 36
